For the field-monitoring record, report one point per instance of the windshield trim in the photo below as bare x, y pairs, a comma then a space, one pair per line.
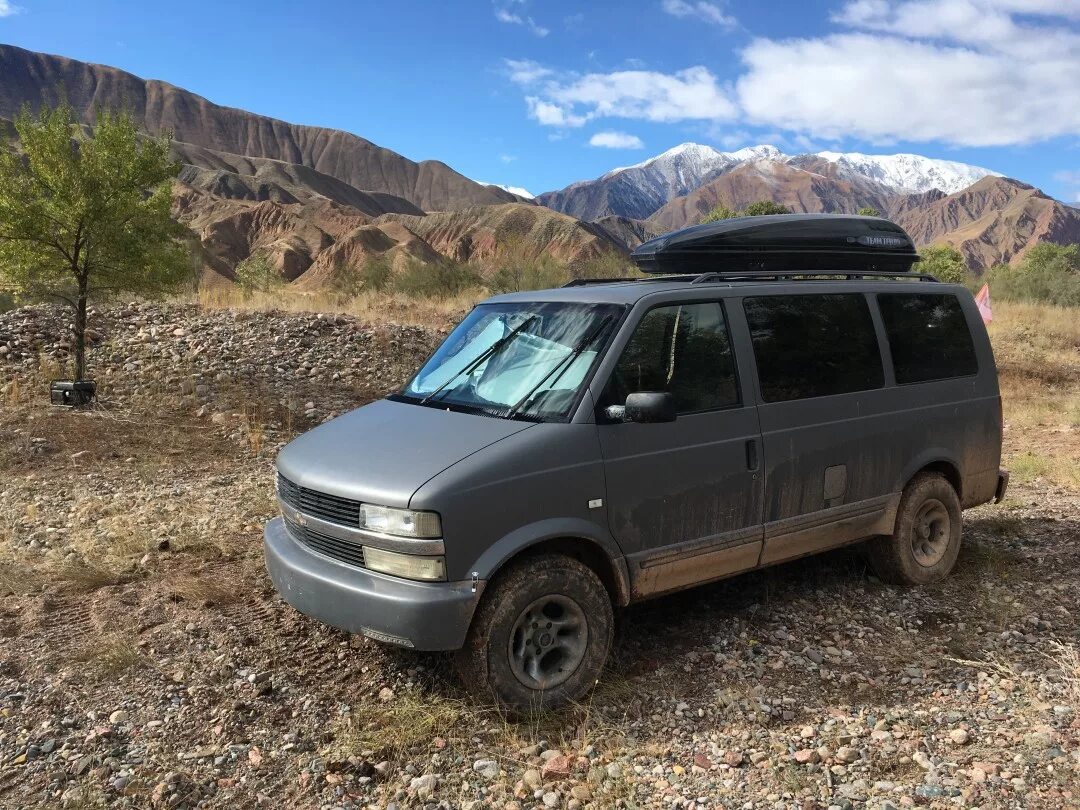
619, 310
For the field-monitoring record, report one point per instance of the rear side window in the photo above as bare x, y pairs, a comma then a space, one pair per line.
684, 350
813, 345
928, 337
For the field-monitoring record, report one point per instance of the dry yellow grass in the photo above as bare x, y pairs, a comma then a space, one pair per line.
375, 307
1037, 348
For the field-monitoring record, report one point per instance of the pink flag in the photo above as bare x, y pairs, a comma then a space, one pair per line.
983, 301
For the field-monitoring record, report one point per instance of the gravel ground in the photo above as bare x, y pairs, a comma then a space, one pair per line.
145, 660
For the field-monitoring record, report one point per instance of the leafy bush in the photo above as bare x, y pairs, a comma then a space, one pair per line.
257, 273
869, 211
1048, 273
944, 262
764, 208
719, 213
754, 209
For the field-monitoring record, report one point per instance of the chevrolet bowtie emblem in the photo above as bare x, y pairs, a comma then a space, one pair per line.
300, 518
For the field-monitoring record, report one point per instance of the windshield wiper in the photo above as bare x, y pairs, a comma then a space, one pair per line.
562, 366
488, 353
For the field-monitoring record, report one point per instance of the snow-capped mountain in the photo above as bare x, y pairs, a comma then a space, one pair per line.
913, 174
512, 189
638, 191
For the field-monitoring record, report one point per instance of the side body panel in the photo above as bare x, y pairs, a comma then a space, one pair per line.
835, 466
535, 485
684, 498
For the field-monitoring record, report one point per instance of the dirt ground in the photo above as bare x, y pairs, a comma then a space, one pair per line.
146, 661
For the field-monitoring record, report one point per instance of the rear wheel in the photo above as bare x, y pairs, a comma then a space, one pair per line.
924, 547
540, 636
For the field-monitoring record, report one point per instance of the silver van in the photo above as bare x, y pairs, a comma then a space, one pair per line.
778, 386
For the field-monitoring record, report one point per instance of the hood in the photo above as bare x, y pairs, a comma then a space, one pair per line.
383, 452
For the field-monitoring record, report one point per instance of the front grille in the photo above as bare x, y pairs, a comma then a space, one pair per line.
330, 508
332, 547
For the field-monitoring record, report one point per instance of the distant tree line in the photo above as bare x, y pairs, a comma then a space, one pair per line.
1047, 273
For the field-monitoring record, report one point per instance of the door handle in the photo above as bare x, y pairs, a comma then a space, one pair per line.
751, 455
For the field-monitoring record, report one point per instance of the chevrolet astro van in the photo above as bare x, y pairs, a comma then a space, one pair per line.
771, 387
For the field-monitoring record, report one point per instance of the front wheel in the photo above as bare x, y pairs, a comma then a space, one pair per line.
541, 635
924, 547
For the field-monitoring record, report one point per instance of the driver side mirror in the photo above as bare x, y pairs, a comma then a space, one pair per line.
648, 407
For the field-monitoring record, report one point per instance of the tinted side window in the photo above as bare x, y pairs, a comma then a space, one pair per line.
928, 337
813, 345
683, 349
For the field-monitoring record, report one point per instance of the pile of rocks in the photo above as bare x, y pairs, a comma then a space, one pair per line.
309, 363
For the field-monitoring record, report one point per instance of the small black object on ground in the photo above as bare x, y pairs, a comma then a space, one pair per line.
72, 393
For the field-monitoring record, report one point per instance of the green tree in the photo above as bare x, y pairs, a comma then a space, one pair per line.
84, 214
869, 211
944, 262
257, 273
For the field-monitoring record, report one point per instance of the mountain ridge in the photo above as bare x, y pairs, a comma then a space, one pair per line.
640, 190
33, 78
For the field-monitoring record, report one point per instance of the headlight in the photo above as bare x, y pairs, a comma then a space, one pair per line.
408, 566
400, 522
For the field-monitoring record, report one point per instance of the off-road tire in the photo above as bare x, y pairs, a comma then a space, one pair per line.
485, 662
911, 556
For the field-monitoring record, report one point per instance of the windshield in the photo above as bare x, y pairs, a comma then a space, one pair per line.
516, 359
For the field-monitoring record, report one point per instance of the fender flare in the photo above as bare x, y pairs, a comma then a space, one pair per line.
521, 539
932, 455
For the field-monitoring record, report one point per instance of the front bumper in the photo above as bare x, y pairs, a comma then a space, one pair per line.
422, 615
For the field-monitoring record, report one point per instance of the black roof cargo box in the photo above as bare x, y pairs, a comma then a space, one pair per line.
825, 243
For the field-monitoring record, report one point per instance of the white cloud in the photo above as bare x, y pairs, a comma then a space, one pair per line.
961, 72
507, 158
965, 72
570, 100
511, 12
1071, 179
700, 10
7, 8
616, 140
526, 71
552, 115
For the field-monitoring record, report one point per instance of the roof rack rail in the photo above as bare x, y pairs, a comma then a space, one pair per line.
582, 282
804, 275
810, 275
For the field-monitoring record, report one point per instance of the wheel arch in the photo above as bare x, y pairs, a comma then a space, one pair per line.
576, 539
936, 462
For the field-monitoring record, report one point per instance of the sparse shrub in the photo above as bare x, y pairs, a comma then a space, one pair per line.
869, 211
518, 272
257, 273
609, 264
373, 275
430, 281
1048, 273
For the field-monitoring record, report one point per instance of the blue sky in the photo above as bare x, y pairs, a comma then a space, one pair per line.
539, 93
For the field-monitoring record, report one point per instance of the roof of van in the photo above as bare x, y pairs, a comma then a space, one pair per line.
630, 291
783, 251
